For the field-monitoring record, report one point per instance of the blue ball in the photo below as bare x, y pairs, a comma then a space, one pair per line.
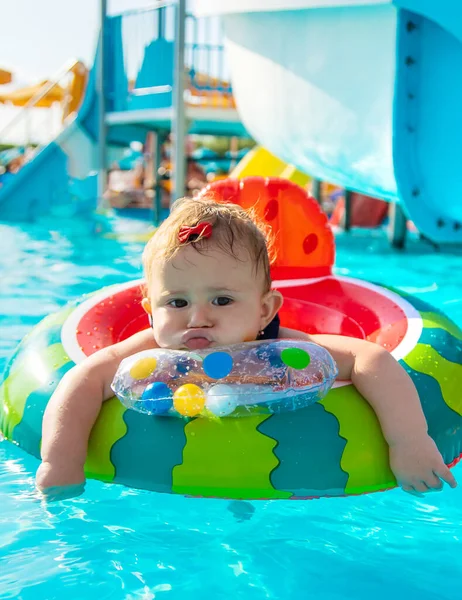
185, 364
271, 354
218, 365
157, 398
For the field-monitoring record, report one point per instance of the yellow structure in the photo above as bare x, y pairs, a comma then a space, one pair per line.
46, 93
76, 89
5, 76
260, 161
207, 91
23, 96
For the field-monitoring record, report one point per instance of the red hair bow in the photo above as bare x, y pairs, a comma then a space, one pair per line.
201, 229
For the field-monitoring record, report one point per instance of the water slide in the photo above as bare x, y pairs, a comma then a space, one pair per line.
138, 85
362, 93
59, 179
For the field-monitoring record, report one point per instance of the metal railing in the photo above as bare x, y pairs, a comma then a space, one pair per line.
206, 70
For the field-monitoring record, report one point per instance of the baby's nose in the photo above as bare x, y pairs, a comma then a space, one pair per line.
199, 316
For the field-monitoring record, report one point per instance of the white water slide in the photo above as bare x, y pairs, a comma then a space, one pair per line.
366, 94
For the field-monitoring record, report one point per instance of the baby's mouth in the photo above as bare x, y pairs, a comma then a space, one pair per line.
197, 343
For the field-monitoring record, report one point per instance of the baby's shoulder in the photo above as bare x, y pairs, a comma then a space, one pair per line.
293, 334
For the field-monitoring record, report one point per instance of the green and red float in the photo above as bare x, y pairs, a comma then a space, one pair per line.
334, 447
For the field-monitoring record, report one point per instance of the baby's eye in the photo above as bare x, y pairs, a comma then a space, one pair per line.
177, 303
222, 301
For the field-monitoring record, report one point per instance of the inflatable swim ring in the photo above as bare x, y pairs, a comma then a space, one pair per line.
334, 447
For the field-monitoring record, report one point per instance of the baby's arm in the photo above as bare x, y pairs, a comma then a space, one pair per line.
73, 410
414, 457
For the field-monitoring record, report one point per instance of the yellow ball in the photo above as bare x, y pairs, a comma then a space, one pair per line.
189, 400
143, 368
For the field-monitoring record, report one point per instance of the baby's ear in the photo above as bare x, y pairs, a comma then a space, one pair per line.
271, 304
146, 305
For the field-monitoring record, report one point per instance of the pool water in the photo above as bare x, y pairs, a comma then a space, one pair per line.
115, 542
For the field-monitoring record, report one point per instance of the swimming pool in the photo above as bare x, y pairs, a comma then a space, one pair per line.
119, 543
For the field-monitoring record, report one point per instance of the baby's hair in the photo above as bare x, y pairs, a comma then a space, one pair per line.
233, 229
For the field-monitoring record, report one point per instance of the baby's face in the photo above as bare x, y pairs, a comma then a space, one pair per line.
200, 300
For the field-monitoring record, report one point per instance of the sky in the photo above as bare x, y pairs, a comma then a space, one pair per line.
37, 37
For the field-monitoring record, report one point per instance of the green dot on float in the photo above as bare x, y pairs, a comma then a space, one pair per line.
295, 358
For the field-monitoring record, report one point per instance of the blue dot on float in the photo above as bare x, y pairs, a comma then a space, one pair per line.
157, 398
218, 365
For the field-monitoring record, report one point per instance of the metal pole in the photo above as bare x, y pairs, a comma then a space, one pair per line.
347, 212
28, 135
179, 109
316, 189
397, 226
102, 130
157, 204
160, 22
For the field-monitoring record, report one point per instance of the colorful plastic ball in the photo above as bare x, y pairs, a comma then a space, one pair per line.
222, 400
157, 398
270, 353
143, 368
186, 364
297, 358
189, 400
218, 365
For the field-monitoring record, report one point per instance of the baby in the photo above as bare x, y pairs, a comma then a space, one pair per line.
208, 284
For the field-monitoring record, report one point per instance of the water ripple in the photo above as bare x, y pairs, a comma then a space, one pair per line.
114, 542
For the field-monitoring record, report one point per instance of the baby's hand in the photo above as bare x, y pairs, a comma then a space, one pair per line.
418, 466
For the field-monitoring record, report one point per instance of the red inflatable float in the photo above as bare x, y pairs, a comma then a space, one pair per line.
333, 447
315, 300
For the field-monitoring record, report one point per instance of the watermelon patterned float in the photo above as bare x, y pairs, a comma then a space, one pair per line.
334, 447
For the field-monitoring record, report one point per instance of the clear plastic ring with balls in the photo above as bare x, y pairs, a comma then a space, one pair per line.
252, 378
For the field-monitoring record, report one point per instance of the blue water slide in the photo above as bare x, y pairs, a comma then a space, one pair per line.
363, 93
61, 177
138, 95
